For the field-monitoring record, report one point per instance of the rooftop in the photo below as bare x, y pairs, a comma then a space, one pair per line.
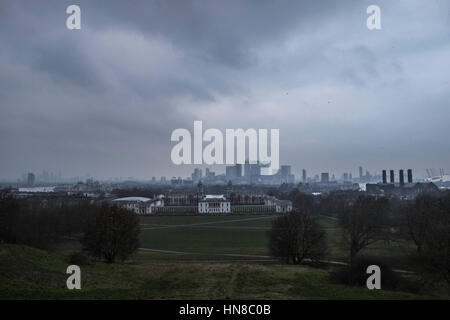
214, 197
133, 199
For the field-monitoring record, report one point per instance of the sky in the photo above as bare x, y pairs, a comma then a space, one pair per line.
105, 99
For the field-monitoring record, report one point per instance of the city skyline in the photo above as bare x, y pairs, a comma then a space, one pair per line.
232, 172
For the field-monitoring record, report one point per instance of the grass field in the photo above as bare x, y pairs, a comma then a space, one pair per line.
28, 273
207, 235
188, 257
226, 237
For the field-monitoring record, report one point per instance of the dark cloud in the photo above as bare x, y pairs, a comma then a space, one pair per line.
105, 99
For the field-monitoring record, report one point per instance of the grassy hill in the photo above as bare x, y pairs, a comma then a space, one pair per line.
29, 273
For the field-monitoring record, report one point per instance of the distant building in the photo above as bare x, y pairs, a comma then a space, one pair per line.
285, 174
139, 205
238, 170
401, 189
281, 206
324, 177
199, 203
407, 191
214, 204
196, 175
233, 172
30, 179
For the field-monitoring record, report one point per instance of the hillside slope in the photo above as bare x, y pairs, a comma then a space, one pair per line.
29, 273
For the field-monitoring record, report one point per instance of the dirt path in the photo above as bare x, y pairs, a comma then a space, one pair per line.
166, 226
257, 257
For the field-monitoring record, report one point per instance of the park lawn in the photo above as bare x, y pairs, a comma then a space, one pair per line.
28, 273
207, 234
207, 240
247, 235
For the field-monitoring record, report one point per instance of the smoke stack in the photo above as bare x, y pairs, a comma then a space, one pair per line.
392, 176
384, 177
401, 177
410, 179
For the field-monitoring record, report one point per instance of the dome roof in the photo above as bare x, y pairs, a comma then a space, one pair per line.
133, 199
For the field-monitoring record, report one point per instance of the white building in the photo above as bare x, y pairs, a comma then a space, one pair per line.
140, 205
281, 206
214, 204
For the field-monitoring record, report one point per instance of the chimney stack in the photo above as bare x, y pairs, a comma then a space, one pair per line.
392, 176
384, 177
410, 178
401, 177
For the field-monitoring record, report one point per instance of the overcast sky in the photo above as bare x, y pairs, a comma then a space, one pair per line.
105, 99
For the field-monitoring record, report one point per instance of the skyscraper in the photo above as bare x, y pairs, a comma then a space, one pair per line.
238, 170
233, 172
30, 179
230, 172
196, 175
285, 172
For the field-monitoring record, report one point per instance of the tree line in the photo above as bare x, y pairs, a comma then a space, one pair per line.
365, 220
106, 232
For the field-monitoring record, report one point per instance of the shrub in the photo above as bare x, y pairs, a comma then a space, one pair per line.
355, 274
79, 259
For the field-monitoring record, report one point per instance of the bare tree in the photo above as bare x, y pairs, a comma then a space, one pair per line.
295, 237
417, 219
112, 233
434, 256
363, 223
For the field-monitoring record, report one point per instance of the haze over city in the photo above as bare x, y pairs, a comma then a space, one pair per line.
105, 99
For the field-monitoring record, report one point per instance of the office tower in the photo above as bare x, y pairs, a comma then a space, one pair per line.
30, 179
392, 177
401, 177
196, 175
325, 177
255, 170
384, 177
233, 172
239, 170
285, 172
304, 175
360, 173
230, 172
247, 169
